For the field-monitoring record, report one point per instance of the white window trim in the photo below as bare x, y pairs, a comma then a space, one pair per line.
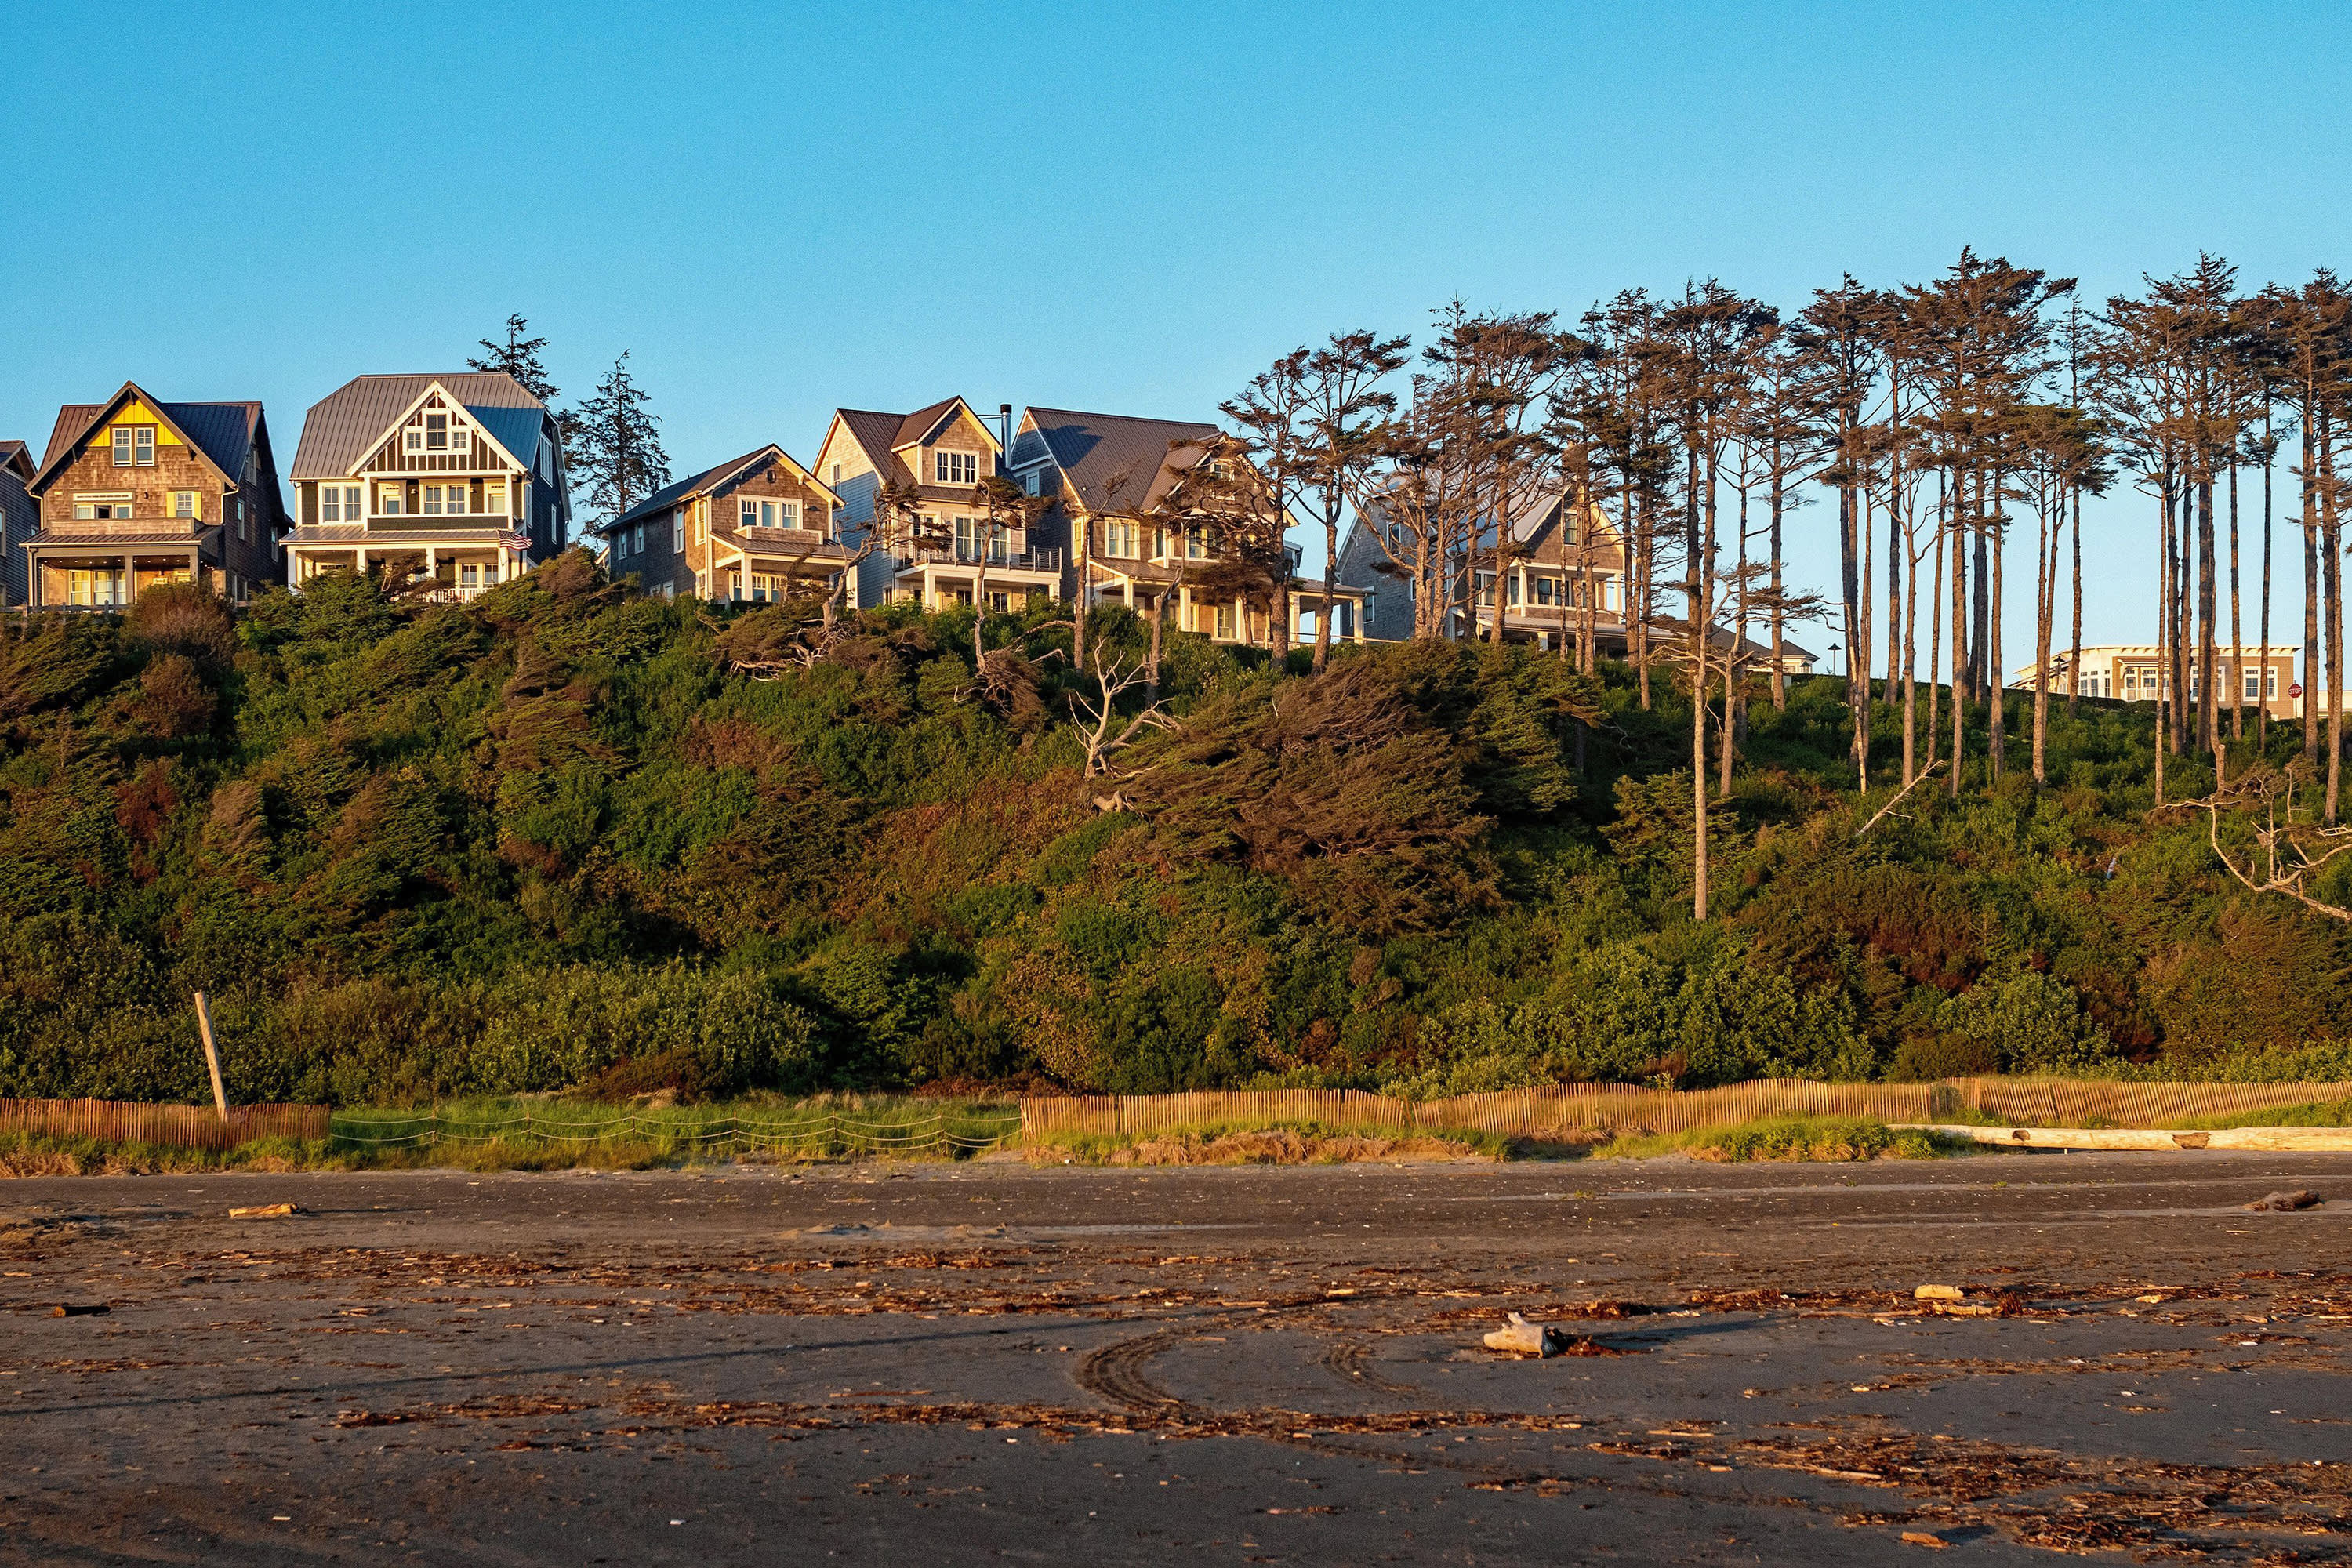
941, 455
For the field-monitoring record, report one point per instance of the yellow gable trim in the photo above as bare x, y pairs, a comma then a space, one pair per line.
137, 412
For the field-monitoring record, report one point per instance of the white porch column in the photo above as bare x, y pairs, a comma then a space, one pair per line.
1184, 608
433, 562
362, 568
1355, 620
1241, 621
1129, 592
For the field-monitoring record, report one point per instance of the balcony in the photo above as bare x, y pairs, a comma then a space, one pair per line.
971, 555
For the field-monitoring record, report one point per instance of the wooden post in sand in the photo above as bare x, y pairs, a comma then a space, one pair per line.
212, 1055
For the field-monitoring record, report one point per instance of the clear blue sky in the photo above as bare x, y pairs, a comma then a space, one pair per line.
781, 209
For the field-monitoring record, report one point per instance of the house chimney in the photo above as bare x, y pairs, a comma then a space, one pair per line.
1005, 430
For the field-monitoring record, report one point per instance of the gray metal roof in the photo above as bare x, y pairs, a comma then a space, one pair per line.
343, 427
1096, 450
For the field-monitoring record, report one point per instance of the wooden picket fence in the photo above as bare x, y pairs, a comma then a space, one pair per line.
179, 1126
1563, 1109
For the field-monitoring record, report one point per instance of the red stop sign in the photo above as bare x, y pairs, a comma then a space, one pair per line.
2295, 690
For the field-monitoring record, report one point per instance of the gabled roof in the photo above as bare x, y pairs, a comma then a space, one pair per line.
17, 458
1095, 449
883, 437
709, 480
222, 432
344, 427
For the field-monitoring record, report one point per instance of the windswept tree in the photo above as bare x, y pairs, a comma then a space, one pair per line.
1270, 431
1502, 369
619, 454
1007, 510
1711, 336
1624, 420
1343, 415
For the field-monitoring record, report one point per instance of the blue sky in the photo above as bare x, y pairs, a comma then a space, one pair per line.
781, 209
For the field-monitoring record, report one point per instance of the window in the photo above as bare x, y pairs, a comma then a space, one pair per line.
113, 505
772, 514
2253, 685
494, 497
437, 432
2269, 685
1225, 622
678, 528
767, 587
1486, 589
1511, 589
388, 500
432, 499
955, 467
1118, 536
1546, 591
999, 604
135, 446
966, 538
469, 575
93, 587
637, 544
1033, 481
836, 473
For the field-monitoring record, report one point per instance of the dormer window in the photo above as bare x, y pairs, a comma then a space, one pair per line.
135, 446
955, 467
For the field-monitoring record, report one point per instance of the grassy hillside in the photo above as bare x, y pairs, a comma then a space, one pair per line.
546, 839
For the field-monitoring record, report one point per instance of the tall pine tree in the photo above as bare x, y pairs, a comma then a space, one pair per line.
616, 453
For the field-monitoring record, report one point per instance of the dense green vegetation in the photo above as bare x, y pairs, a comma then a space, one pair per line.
547, 840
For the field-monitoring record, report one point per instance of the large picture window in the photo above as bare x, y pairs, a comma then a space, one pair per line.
955, 467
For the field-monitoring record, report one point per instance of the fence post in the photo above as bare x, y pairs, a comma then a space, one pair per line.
212, 1058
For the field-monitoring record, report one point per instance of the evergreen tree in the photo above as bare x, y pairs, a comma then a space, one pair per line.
617, 452
519, 357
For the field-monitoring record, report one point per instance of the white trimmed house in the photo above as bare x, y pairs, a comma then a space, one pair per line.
938, 456
455, 477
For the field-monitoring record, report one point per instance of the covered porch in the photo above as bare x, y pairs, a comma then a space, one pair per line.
459, 569
747, 574
108, 574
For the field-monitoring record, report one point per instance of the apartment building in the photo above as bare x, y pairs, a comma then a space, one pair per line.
457, 476
135, 490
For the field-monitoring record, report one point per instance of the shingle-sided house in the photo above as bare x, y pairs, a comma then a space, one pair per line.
19, 519
457, 477
1563, 569
935, 456
1106, 476
135, 491
757, 527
